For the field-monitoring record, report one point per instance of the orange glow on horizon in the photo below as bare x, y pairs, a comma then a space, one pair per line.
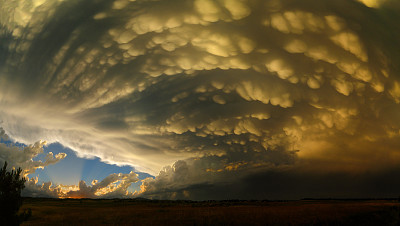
73, 197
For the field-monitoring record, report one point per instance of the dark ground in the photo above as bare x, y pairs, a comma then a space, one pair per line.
147, 212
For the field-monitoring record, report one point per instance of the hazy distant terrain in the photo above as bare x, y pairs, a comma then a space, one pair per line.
147, 212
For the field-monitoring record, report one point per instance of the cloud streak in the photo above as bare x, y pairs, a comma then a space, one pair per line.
212, 88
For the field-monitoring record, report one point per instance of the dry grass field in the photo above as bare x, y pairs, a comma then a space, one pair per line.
145, 212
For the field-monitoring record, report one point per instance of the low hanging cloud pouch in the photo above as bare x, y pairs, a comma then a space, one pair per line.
214, 91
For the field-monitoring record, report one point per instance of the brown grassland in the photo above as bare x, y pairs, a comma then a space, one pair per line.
146, 212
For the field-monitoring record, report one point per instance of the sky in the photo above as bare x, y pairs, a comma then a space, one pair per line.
73, 169
202, 99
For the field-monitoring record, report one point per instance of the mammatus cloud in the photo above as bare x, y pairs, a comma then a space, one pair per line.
220, 90
374, 3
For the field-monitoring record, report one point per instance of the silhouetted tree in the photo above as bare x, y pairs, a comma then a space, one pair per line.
11, 185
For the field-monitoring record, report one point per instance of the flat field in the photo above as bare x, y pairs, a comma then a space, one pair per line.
146, 212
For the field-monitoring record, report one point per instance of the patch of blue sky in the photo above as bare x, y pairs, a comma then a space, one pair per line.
72, 169
10, 142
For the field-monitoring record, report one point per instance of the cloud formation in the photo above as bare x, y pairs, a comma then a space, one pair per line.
113, 186
107, 188
212, 88
17, 156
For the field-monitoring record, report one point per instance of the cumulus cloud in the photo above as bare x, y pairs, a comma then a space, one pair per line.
208, 87
113, 186
17, 156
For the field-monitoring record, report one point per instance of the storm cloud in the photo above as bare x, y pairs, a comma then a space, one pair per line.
211, 92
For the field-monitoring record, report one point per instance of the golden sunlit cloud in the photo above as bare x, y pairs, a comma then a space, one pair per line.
372, 3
